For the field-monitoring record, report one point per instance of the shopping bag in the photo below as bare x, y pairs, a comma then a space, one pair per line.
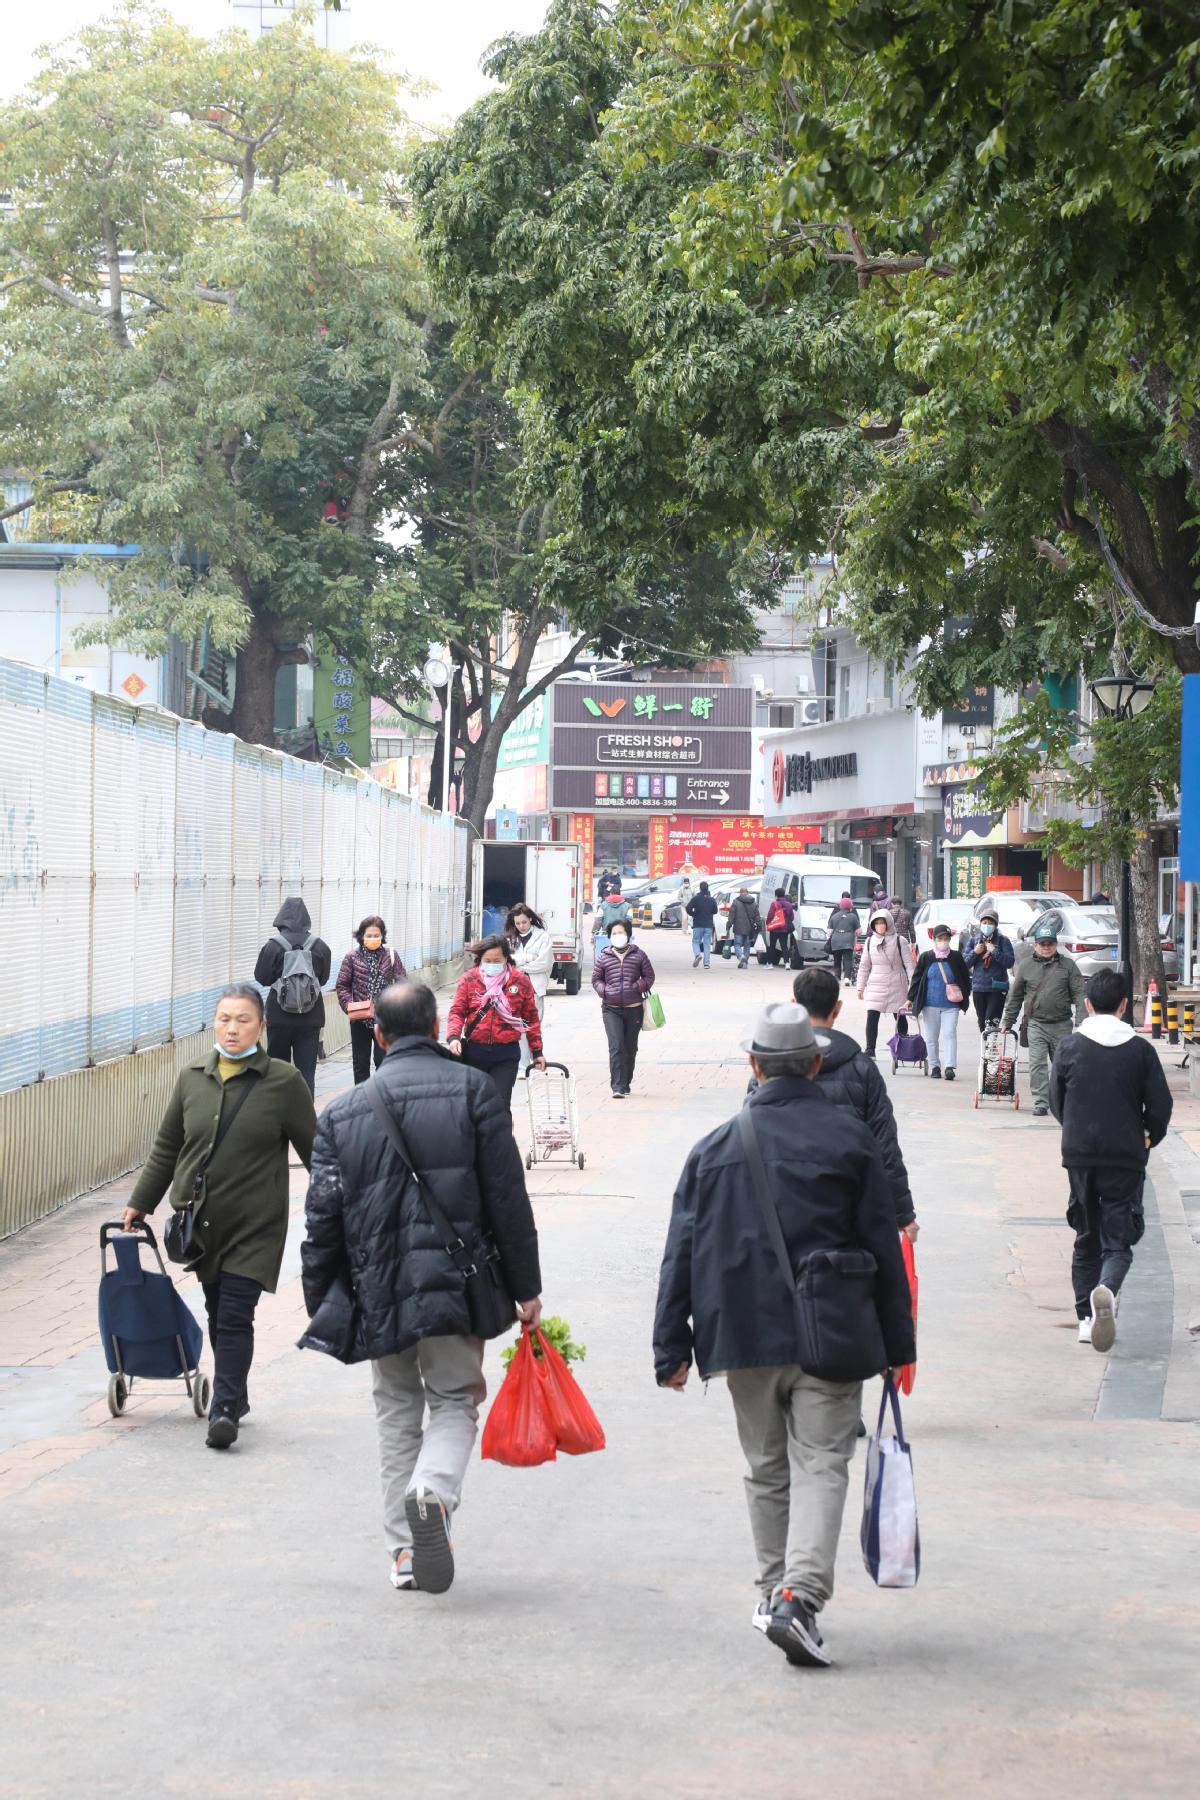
576, 1428
519, 1429
891, 1540
908, 1374
908, 1046
653, 1016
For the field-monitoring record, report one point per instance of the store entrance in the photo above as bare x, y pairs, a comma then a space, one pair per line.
622, 847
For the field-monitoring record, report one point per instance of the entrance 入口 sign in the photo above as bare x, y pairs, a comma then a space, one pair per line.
629, 747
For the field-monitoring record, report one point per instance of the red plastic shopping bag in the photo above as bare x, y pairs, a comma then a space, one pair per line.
519, 1429
577, 1430
908, 1374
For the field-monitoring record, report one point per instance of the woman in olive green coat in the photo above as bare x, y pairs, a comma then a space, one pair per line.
250, 1107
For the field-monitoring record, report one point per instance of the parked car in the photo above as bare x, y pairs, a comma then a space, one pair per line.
669, 894
1019, 911
958, 914
1089, 935
725, 890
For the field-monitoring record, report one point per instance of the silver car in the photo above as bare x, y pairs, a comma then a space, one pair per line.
1019, 910
1089, 935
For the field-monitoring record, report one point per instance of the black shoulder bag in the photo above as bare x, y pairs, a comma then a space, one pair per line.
179, 1240
833, 1291
490, 1307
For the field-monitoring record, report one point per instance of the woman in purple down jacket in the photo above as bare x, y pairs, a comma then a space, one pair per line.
622, 977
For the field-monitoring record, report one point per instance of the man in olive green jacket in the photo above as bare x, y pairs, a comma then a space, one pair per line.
223, 1147
1050, 986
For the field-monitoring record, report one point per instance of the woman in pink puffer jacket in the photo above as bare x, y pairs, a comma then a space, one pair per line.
884, 974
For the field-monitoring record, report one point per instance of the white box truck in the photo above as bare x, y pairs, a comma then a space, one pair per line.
548, 877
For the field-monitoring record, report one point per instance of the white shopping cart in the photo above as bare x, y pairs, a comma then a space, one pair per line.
553, 1126
998, 1067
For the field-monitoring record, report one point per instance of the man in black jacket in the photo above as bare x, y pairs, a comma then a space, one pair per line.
851, 1079
294, 1035
367, 1223
739, 1314
1108, 1091
701, 909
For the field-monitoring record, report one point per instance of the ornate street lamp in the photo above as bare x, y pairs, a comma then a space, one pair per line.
1123, 697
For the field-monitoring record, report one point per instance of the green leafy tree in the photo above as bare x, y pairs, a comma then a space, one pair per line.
211, 328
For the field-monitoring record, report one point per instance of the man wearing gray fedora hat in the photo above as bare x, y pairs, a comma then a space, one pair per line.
814, 1301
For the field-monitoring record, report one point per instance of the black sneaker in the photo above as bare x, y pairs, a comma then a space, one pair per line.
949, 1074
222, 1431
793, 1628
619, 1093
1040, 1112
935, 1074
432, 1551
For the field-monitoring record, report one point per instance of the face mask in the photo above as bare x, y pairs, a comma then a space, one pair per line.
239, 1055
880, 930
493, 971
619, 940
941, 950
986, 930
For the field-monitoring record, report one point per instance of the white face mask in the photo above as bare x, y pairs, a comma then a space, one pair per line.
493, 971
941, 951
618, 940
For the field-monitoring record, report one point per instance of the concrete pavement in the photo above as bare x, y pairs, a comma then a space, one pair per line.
184, 1623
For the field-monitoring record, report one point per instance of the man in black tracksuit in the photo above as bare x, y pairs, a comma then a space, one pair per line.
1108, 1090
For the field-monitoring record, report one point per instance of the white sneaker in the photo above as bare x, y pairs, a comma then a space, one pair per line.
1085, 1331
762, 1616
402, 1576
1104, 1319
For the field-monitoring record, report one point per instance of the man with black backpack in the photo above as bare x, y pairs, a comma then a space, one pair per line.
294, 965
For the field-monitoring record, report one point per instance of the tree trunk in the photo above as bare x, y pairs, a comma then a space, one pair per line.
258, 663
1146, 946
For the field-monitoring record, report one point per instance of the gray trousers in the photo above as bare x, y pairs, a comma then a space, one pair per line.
445, 1374
1043, 1042
797, 1434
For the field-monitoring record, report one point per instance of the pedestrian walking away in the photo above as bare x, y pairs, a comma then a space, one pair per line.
492, 1010
852, 1080
1110, 1095
815, 1300
294, 964
622, 977
611, 908
376, 1264
606, 883
989, 956
222, 1149
701, 909
938, 993
533, 954
884, 975
901, 917
745, 924
844, 924
364, 974
1051, 989
781, 915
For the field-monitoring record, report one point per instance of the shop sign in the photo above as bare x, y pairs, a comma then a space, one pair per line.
723, 846
976, 707
947, 774
626, 748
796, 774
583, 831
527, 739
969, 871
646, 746
966, 815
341, 708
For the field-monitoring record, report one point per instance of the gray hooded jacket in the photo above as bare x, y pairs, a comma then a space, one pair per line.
295, 922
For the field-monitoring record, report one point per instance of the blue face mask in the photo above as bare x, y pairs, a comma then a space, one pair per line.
239, 1055
986, 930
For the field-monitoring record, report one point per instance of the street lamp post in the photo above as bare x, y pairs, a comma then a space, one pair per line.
1123, 697
437, 674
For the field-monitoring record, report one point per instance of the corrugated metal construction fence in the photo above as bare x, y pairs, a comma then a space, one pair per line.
142, 860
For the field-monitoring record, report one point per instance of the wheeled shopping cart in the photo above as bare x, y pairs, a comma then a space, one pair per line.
553, 1122
997, 1067
148, 1331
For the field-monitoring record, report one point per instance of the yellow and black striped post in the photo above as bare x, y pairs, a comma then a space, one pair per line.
1172, 1019
1156, 1021
1189, 1018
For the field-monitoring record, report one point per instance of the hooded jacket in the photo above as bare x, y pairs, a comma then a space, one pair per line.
989, 977
722, 1297
1109, 1093
851, 1079
294, 921
744, 918
886, 967
365, 1221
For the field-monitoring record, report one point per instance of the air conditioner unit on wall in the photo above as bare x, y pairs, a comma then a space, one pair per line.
811, 712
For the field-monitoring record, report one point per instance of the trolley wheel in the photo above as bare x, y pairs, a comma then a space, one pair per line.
975, 1099
118, 1394
201, 1395
581, 1159
1016, 1101
529, 1159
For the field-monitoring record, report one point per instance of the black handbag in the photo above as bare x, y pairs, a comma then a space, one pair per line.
490, 1306
181, 1240
833, 1291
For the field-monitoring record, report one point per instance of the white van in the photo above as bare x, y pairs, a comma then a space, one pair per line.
814, 885
548, 877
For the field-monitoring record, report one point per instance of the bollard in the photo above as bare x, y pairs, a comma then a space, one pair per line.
1189, 1018
1172, 1019
1152, 1016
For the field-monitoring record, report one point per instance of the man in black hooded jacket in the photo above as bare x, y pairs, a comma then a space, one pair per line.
294, 1037
851, 1079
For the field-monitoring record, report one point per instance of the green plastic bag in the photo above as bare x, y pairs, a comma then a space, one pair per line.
653, 1016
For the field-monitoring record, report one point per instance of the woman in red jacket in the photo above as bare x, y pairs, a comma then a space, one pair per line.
494, 1006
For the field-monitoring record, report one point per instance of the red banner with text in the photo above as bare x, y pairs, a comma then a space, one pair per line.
718, 846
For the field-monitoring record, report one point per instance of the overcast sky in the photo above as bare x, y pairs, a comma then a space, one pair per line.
442, 40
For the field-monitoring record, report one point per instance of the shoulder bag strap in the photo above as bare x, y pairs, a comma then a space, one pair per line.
465, 1034
758, 1174
230, 1107
453, 1242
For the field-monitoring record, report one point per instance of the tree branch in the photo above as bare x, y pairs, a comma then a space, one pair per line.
55, 487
